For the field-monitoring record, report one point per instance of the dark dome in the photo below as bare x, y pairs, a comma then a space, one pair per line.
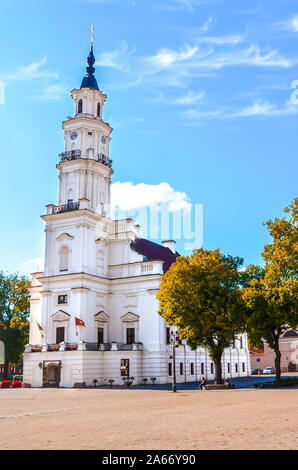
89, 80
152, 251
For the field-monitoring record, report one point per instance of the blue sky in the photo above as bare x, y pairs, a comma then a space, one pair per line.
199, 96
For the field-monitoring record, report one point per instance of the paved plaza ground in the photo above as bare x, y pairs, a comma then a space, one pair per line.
148, 419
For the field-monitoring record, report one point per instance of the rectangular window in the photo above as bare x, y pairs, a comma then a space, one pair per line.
130, 335
60, 334
170, 368
243, 366
89, 133
181, 368
241, 342
192, 369
202, 368
236, 367
212, 368
228, 367
124, 367
62, 299
100, 339
168, 335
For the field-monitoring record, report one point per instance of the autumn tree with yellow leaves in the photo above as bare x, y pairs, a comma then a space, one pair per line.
201, 295
14, 313
271, 296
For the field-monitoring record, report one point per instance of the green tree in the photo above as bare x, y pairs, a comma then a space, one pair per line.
201, 295
272, 295
14, 312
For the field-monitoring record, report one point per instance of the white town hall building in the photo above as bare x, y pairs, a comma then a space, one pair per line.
94, 312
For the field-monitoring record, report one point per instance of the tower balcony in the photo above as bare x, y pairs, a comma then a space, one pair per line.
70, 206
70, 155
76, 154
105, 160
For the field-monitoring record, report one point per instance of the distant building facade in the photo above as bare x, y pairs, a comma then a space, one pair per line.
288, 345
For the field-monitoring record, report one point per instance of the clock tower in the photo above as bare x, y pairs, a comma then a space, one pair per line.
85, 167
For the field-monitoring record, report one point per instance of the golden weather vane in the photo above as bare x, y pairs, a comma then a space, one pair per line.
92, 34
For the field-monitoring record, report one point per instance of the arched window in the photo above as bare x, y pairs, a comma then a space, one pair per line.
98, 109
80, 106
64, 259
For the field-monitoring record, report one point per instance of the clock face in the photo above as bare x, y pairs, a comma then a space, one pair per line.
103, 140
73, 135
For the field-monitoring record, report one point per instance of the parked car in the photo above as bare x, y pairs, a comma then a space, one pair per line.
255, 371
19, 378
269, 370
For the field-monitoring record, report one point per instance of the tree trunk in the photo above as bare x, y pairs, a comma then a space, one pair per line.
5, 372
218, 371
277, 358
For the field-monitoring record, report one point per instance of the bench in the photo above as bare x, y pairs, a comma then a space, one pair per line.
219, 386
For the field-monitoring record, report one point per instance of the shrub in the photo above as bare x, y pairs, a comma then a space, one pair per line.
16, 384
111, 381
5, 384
128, 381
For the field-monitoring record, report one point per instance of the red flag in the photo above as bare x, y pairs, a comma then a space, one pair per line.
79, 322
40, 327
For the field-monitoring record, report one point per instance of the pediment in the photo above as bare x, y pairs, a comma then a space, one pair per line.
102, 241
61, 316
130, 317
64, 236
101, 317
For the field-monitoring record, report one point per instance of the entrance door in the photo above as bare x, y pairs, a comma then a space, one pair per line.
51, 375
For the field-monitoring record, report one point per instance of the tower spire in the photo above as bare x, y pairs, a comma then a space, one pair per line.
92, 35
89, 80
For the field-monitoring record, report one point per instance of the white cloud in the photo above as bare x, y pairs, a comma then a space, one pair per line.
251, 56
207, 25
117, 59
128, 196
196, 116
30, 71
189, 98
264, 108
32, 265
48, 88
177, 5
167, 57
131, 3
232, 39
291, 24
53, 92
294, 24
37, 261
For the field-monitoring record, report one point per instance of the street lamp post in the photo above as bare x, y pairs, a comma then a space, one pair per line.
174, 388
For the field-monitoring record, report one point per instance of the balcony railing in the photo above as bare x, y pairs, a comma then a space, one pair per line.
71, 206
105, 160
70, 155
82, 346
76, 154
